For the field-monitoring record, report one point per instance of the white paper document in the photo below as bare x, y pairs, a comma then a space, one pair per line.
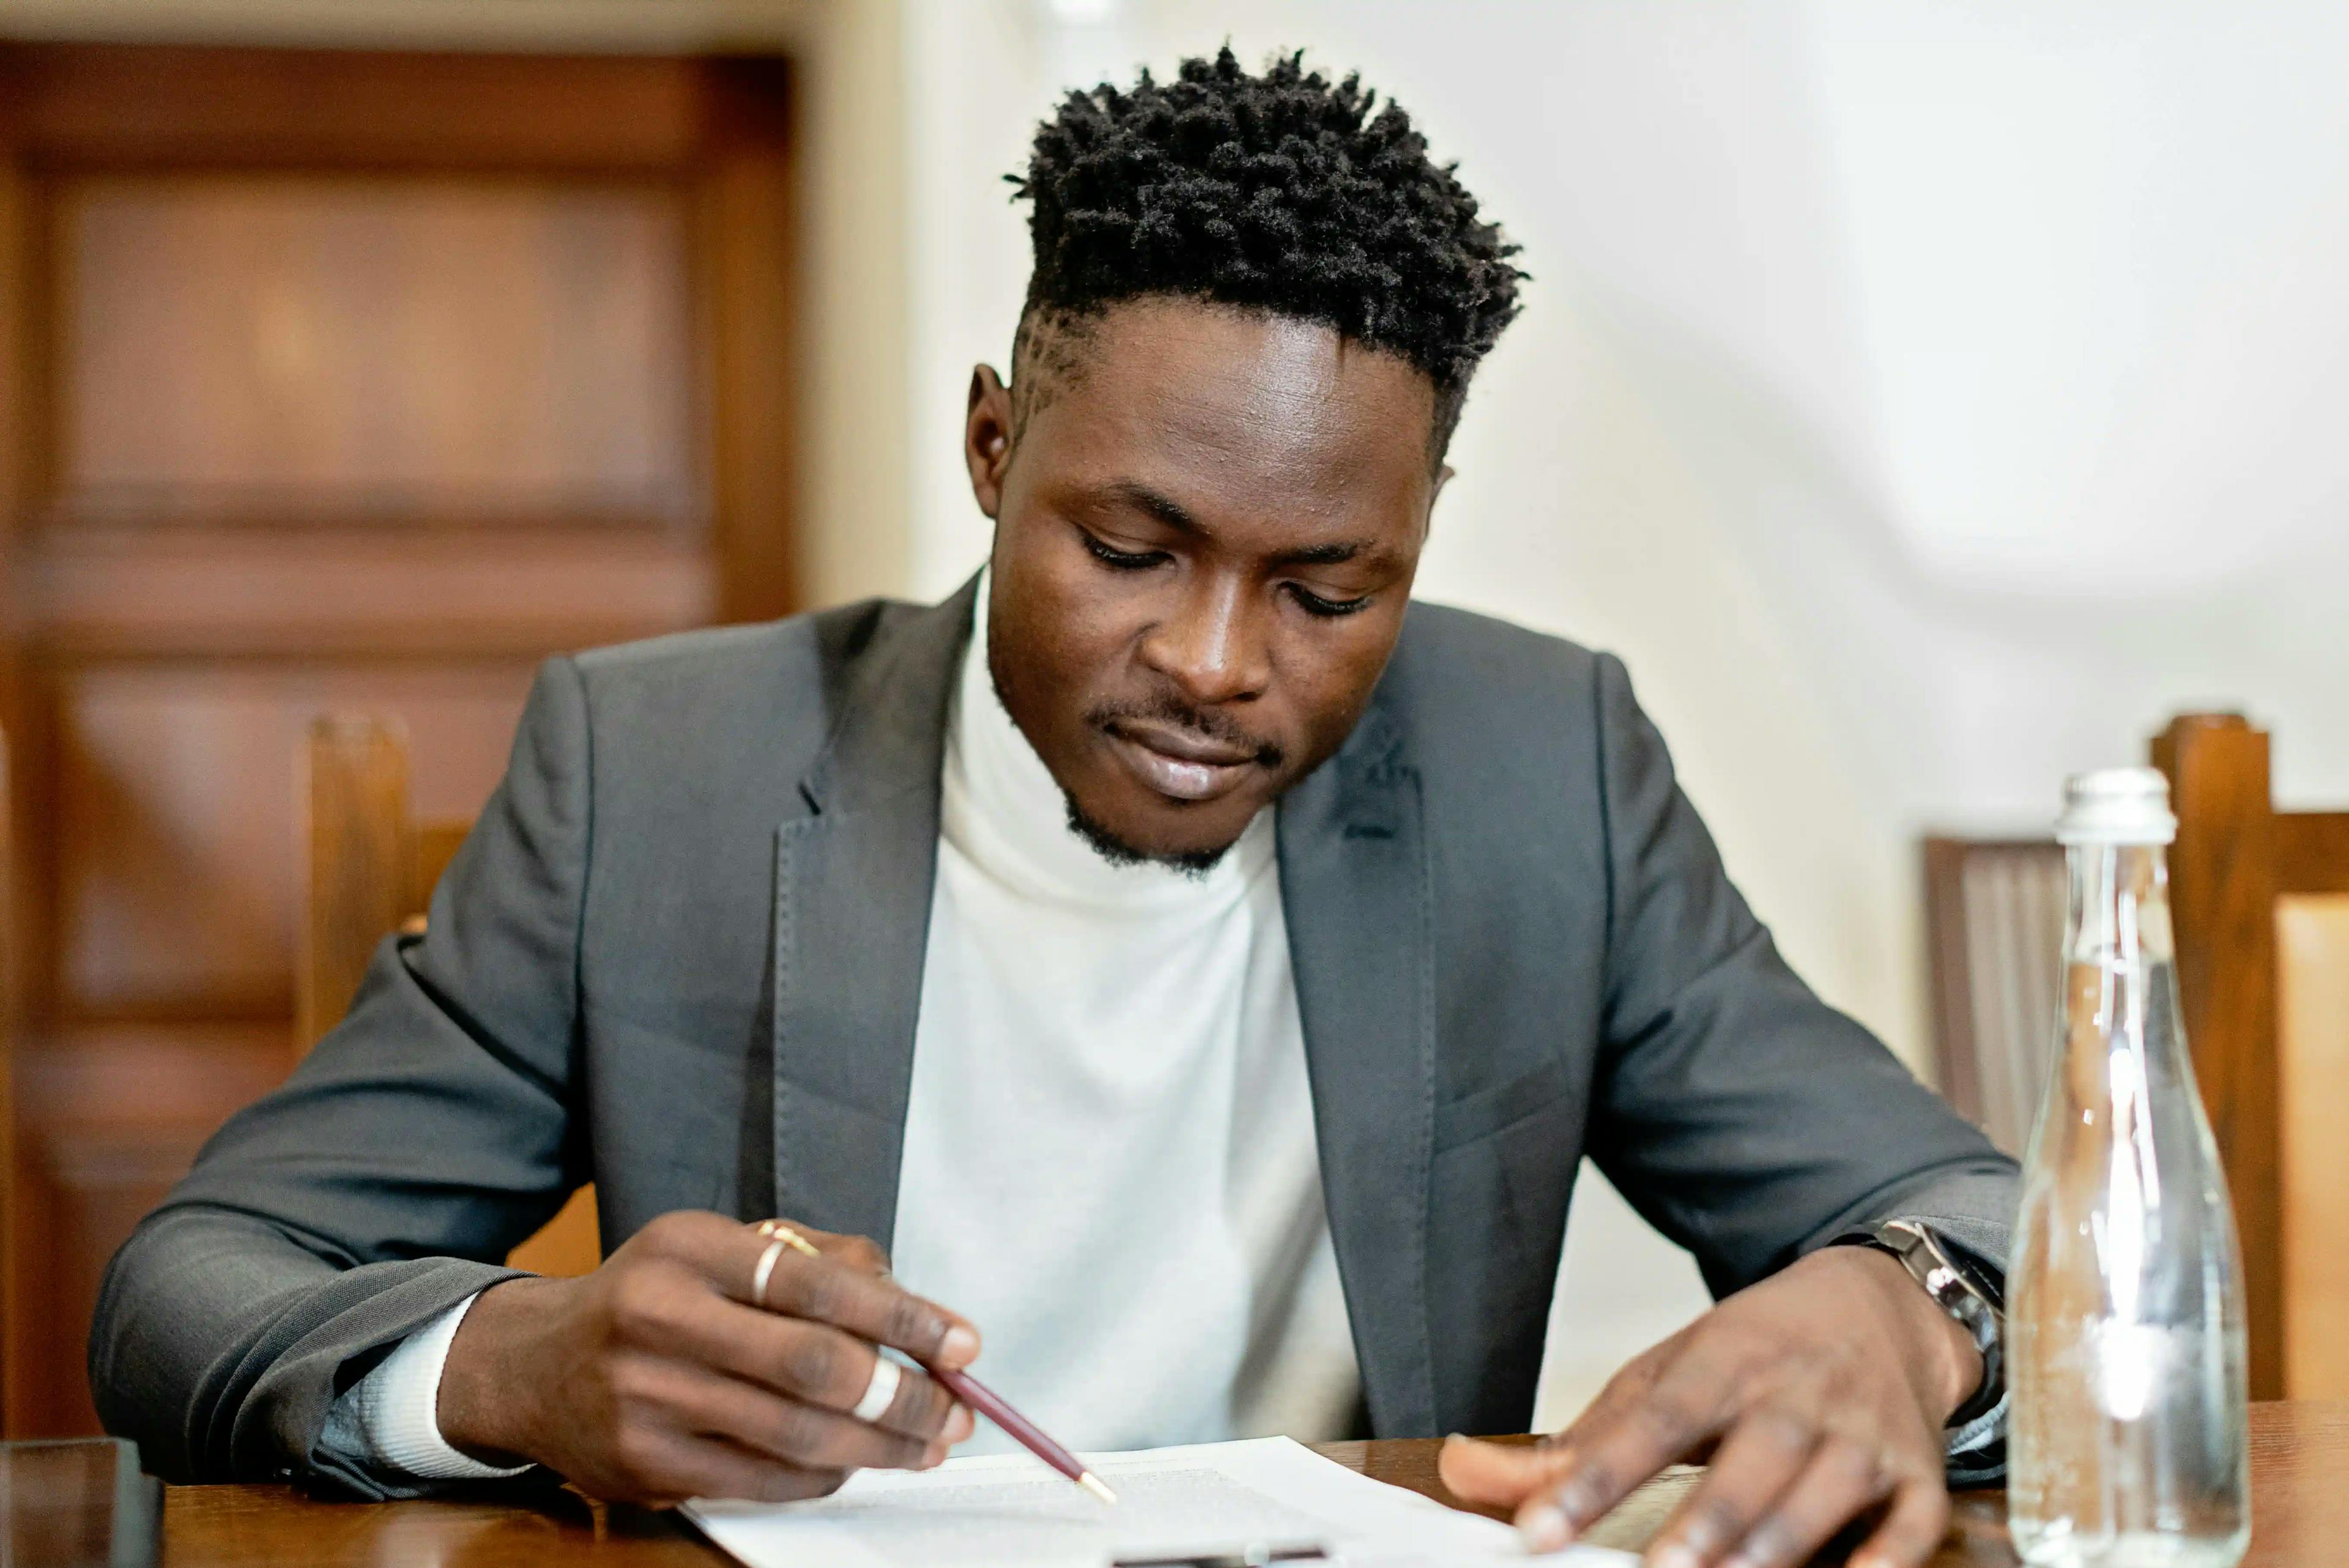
1212, 1498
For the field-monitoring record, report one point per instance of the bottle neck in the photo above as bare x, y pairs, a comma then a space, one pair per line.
2121, 989
2119, 915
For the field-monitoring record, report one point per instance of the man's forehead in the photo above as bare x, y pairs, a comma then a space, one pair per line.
1243, 398
1229, 357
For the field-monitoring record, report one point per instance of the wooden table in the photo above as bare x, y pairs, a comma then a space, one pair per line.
2300, 1484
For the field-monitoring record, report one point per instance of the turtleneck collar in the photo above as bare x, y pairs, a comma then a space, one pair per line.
1001, 809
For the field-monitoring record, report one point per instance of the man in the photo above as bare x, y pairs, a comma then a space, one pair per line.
1201, 972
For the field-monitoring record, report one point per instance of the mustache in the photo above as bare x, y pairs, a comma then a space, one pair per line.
1208, 724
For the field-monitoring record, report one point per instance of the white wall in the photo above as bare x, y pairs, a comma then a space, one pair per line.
1925, 399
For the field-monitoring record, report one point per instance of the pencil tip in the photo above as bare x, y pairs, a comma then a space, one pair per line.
1093, 1483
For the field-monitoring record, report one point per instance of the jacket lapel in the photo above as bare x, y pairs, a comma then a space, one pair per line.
1354, 882
852, 889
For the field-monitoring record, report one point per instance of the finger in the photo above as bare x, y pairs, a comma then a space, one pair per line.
1844, 1478
1504, 1474
1763, 1455
1609, 1457
1497, 1474
807, 1435
1913, 1528
675, 1466
871, 1306
814, 1363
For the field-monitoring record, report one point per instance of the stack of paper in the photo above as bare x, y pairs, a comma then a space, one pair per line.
1266, 1497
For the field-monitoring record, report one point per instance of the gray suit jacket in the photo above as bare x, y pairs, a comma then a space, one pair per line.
681, 956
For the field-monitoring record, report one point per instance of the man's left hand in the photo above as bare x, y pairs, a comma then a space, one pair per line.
1816, 1397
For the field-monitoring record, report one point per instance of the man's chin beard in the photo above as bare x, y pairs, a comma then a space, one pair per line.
1194, 863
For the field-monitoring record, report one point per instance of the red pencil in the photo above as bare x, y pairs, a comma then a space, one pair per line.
1023, 1431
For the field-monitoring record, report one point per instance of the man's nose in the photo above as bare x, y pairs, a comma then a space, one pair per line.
1214, 642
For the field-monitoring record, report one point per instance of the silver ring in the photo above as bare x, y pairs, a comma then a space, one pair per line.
880, 1393
766, 1267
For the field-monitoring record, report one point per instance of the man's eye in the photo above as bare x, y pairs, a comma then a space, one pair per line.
1314, 605
1123, 560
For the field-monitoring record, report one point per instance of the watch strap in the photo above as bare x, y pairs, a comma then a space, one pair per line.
1956, 1288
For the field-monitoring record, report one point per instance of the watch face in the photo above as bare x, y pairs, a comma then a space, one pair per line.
1920, 1246
1967, 1268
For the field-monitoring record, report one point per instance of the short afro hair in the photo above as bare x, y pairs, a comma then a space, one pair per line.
1281, 193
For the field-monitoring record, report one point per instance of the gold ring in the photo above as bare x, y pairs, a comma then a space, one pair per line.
789, 1237
766, 1267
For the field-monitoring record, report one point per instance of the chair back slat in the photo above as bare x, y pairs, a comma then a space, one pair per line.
358, 855
437, 844
2222, 899
369, 870
2312, 851
1997, 931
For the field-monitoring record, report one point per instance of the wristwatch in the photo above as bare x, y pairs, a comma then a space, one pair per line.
1960, 1288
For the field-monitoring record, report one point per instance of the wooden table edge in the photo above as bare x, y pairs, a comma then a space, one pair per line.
2300, 1468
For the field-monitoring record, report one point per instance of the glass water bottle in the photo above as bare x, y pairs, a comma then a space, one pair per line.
2124, 1324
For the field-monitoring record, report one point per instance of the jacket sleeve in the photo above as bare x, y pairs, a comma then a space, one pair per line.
1738, 1113
419, 1142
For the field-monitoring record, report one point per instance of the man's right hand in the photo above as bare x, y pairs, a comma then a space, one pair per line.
656, 1378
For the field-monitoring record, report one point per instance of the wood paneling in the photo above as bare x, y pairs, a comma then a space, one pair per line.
176, 834
207, 592
177, 856
309, 349
748, 262
330, 383
140, 107
2312, 1070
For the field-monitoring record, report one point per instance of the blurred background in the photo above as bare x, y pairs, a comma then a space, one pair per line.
1926, 400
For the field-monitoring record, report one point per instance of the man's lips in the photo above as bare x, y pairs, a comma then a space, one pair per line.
1179, 764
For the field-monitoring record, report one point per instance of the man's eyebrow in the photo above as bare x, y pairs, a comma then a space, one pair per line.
1174, 515
1322, 554
1166, 508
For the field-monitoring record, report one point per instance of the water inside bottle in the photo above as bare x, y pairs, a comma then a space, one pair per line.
2125, 1337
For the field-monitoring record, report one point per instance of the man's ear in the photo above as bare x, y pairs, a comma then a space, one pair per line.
1443, 476
986, 437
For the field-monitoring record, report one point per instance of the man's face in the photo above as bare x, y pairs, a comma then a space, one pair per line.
1204, 543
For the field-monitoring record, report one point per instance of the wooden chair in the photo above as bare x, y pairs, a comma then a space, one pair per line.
1995, 935
369, 869
2260, 903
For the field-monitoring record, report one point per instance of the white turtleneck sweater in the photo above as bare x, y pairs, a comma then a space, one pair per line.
1109, 1163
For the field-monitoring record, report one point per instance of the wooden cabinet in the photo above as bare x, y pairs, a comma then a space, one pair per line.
329, 382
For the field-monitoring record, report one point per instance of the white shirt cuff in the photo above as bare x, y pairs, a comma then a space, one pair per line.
389, 1420
1984, 1430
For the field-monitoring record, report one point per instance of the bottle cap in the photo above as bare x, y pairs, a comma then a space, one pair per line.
2116, 806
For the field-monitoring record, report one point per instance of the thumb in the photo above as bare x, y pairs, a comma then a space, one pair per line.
1498, 1473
